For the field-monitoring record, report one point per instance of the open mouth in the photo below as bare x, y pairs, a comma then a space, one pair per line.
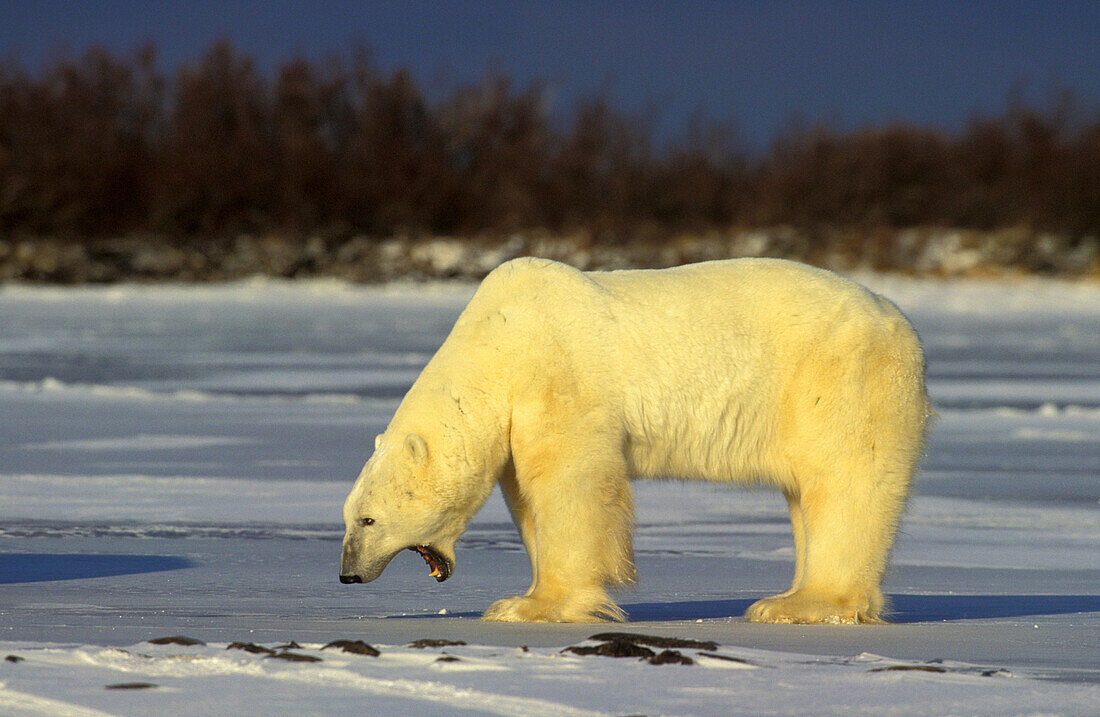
441, 569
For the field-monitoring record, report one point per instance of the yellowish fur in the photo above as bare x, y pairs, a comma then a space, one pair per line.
563, 386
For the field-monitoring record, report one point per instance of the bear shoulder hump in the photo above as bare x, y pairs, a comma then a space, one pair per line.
526, 271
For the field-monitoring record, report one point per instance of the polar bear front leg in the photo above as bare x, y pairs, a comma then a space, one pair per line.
582, 519
521, 516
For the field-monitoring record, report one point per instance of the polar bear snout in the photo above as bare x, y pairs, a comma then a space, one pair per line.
361, 563
351, 568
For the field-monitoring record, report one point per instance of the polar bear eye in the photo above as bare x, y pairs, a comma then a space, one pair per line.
366, 521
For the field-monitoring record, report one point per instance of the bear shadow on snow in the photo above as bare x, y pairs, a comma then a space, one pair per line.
934, 608
903, 608
42, 567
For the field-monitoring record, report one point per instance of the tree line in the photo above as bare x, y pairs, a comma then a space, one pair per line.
109, 145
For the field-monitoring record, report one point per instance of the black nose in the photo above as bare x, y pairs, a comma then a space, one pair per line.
348, 579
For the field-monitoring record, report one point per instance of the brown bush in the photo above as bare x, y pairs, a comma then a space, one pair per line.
105, 146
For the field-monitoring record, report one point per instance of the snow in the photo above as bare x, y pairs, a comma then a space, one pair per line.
173, 461
515, 681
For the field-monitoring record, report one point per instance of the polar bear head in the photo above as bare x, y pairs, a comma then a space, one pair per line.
405, 498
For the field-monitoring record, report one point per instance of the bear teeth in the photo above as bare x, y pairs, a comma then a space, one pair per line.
433, 562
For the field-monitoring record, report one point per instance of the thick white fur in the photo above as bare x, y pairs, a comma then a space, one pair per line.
564, 385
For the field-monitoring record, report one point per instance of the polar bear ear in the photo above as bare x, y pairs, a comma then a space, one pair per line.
377, 441
416, 447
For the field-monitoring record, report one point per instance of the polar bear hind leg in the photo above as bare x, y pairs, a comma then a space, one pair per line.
794, 505
844, 516
850, 482
839, 566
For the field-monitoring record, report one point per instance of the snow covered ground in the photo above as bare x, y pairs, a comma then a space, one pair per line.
173, 461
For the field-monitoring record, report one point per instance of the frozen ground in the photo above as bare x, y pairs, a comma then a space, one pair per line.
173, 461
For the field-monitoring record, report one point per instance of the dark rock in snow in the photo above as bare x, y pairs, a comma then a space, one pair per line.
176, 640
357, 647
294, 657
250, 647
908, 668
131, 686
655, 641
613, 648
427, 642
671, 657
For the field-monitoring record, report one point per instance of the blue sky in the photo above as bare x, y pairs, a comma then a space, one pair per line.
758, 64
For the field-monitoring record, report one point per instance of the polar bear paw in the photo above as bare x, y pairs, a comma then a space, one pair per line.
809, 608
526, 608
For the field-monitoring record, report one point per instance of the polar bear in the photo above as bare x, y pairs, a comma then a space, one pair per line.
561, 386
